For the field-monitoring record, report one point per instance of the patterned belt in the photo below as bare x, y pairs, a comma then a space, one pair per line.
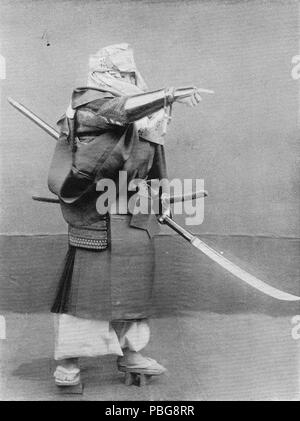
93, 237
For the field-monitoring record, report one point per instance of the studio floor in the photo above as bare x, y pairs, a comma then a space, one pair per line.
209, 356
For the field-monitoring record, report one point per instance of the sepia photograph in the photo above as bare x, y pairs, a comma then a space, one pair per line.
150, 202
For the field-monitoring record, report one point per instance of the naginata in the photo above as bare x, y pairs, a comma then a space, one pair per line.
103, 298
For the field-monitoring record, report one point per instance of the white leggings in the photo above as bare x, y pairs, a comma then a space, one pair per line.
76, 337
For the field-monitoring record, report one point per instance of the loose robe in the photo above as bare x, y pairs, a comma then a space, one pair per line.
115, 283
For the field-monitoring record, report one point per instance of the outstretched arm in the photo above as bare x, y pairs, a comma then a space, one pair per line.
139, 106
127, 109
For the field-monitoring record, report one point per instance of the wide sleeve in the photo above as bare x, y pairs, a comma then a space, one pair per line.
64, 179
74, 173
105, 136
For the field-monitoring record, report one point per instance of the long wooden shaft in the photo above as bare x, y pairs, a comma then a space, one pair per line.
37, 120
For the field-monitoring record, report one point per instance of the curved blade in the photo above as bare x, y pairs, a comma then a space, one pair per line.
228, 265
241, 273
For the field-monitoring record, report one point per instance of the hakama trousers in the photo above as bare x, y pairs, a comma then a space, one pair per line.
78, 337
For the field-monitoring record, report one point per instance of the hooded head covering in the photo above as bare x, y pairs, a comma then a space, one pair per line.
106, 68
105, 72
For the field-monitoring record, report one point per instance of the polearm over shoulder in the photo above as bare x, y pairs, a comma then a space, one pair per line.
195, 241
37, 120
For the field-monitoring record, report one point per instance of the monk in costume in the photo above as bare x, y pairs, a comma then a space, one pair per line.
103, 298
